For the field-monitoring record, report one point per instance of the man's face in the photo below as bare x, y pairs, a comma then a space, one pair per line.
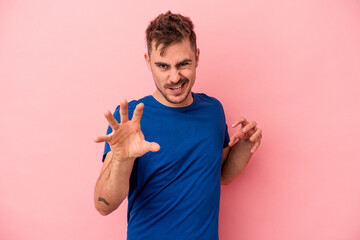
174, 73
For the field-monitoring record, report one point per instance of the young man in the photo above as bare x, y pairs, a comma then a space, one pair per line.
172, 166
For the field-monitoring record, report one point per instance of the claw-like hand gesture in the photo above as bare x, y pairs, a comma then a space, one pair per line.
127, 140
248, 132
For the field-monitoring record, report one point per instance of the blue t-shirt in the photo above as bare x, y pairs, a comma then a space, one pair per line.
175, 193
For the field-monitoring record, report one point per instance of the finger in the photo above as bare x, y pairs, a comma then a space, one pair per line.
238, 121
111, 120
235, 138
256, 136
154, 147
103, 138
238, 134
138, 113
249, 126
234, 142
124, 112
255, 147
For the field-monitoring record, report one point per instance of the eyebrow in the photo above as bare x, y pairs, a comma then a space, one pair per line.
177, 65
183, 61
161, 63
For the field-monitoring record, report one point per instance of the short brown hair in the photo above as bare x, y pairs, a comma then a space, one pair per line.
169, 28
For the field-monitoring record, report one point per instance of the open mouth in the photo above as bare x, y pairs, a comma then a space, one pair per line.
178, 88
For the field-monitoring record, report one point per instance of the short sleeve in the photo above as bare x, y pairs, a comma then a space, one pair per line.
109, 130
227, 137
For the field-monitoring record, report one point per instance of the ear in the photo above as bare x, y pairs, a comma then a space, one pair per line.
197, 55
147, 60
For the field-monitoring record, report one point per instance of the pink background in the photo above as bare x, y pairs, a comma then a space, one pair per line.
293, 66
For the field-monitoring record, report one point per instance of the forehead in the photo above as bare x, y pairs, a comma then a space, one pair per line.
174, 53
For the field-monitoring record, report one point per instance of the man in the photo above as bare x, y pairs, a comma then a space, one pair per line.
172, 165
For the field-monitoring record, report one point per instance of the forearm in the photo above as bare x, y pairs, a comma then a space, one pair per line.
236, 161
113, 185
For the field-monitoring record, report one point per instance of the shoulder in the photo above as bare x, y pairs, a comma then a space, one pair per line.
131, 106
145, 100
203, 98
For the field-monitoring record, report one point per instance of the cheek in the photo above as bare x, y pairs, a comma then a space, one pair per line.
159, 77
188, 73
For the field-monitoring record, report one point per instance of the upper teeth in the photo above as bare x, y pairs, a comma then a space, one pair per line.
177, 88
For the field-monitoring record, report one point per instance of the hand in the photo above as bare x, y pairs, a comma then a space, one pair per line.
127, 140
248, 131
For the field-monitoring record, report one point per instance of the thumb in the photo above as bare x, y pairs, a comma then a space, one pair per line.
154, 147
233, 141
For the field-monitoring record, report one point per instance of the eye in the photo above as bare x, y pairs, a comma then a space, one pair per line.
163, 66
183, 65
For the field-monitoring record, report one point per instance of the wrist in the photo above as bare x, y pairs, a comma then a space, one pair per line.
121, 158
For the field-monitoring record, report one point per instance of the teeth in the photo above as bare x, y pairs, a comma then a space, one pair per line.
178, 87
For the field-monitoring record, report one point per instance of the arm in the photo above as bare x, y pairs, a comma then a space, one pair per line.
126, 142
113, 184
241, 147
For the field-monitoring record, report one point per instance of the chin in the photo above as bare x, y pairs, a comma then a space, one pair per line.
178, 99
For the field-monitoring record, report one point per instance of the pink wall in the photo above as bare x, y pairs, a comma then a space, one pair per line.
293, 66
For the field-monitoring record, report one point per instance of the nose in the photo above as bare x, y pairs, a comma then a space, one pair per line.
174, 76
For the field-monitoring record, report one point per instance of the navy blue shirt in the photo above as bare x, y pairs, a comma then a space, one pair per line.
175, 193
